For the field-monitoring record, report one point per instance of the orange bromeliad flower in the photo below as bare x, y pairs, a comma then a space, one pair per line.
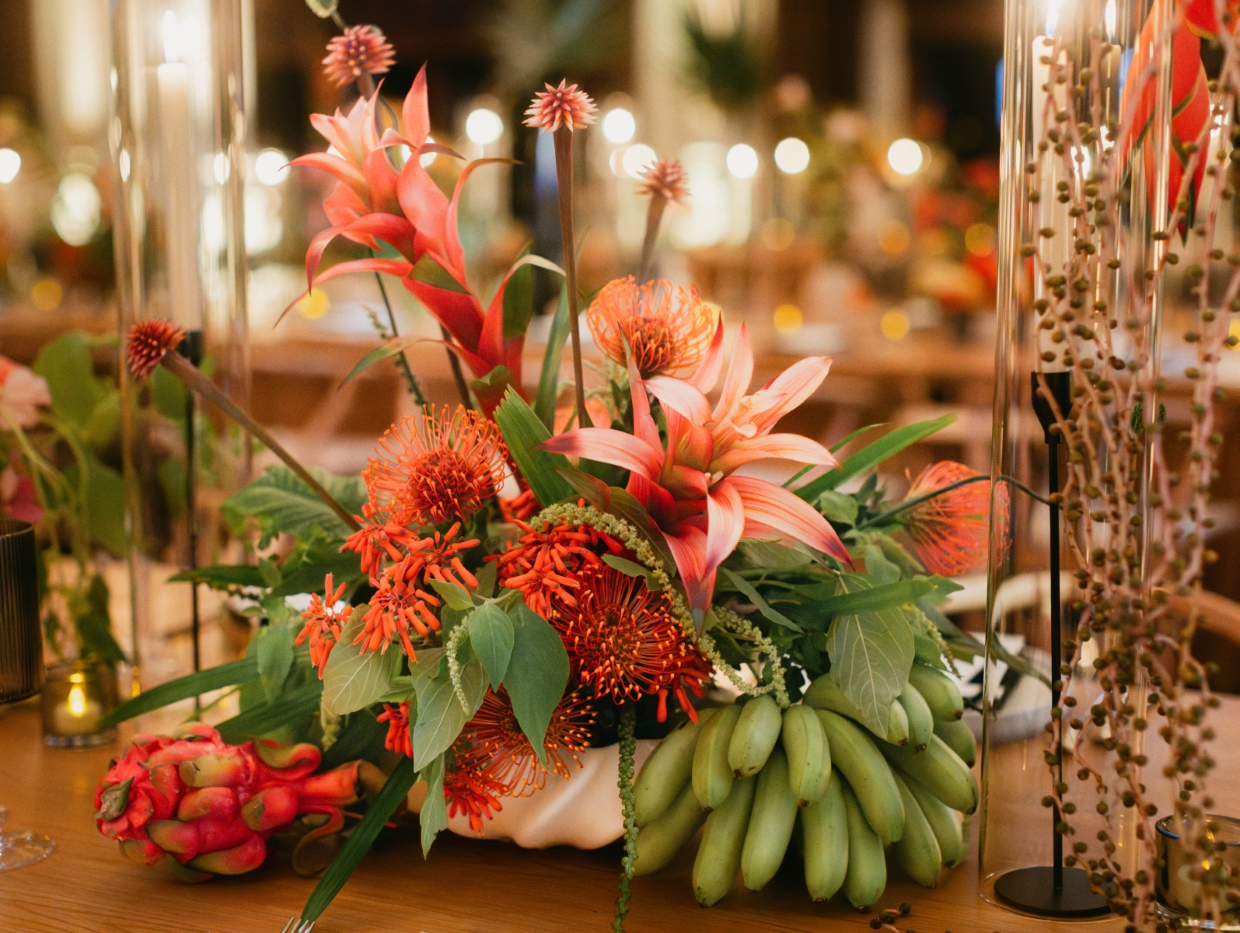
324, 623
625, 641
398, 738
494, 738
667, 329
949, 532
546, 563
403, 602
437, 468
469, 789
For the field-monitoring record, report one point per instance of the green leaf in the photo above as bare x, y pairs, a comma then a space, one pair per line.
440, 714
871, 653
871, 598
183, 688
518, 301
537, 674
878, 567
491, 634
380, 353
105, 506
344, 566
632, 569
222, 576
281, 502
352, 680
70, 373
872, 455
756, 598
434, 816
926, 650
289, 709
94, 624
453, 595
549, 378
523, 431
841, 444
105, 421
773, 556
838, 508
269, 570
274, 654
169, 395
486, 580
360, 840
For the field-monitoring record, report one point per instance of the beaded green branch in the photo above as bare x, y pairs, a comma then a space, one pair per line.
628, 748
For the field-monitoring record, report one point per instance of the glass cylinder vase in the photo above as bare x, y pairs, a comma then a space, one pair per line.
178, 143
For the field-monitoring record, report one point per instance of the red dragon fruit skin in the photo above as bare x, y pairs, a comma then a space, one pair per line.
204, 807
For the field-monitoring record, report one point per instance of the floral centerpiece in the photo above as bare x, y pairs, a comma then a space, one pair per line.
508, 586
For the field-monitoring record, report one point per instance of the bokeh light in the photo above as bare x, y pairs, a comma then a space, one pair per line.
271, 167
76, 209
894, 324
776, 234
905, 156
619, 127
792, 156
484, 126
979, 239
787, 319
636, 158
10, 165
742, 161
313, 305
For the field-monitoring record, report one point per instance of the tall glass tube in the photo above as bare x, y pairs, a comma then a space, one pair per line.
178, 141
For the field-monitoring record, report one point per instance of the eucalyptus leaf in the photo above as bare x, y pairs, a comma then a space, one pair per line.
631, 568
838, 507
440, 714
352, 680
274, 654
453, 595
434, 816
537, 674
491, 634
878, 567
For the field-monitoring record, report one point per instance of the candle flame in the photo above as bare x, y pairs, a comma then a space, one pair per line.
171, 37
77, 700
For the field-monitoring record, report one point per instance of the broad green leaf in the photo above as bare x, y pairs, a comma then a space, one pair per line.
434, 816
549, 378
360, 840
361, 737
773, 556
70, 373
105, 505
274, 654
222, 576
878, 567
269, 570
872, 455
94, 624
518, 301
839, 508
169, 396
352, 680
105, 421
453, 595
191, 685
871, 653
290, 709
927, 651
755, 597
486, 579
491, 634
870, 597
440, 714
631, 569
426, 667
537, 674
280, 502
523, 431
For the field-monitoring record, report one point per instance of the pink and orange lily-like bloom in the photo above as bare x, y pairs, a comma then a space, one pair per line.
375, 204
689, 486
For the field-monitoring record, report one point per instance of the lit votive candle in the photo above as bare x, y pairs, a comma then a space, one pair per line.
1179, 880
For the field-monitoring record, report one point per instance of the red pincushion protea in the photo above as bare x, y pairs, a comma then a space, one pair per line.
950, 532
664, 179
664, 328
149, 342
206, 807
437, 468
545, 563
362, 50
625, 641
324, 623
564, 106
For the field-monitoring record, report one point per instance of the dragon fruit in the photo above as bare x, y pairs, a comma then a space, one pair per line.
204, 808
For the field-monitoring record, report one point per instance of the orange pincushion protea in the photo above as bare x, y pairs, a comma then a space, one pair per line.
545, 563
625, 642
950, 532
667, 329
398, 738
324, 623
403, 602
433, 468
494, 738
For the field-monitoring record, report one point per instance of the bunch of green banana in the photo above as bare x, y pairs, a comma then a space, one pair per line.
748, 772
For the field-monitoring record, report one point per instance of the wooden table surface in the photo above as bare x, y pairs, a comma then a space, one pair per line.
467, 886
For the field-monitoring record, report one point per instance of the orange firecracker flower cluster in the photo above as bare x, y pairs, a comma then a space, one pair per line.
324, 623
403, 601
546, 563
398, 739
666, 329
473, 792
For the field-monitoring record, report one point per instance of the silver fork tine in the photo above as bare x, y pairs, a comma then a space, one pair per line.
295, 925
306, 927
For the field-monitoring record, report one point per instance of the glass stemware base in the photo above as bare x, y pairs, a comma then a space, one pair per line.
22, 847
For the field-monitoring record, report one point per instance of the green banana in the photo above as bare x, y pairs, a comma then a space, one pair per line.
770, 824
943, 822
917, 852
866, 875
823, 693
920, 719
939, 691
660, 840
667, 770
959, 739
755, 735
719, 855
855, 754
824, 824
939, 770
809, 755
712, 778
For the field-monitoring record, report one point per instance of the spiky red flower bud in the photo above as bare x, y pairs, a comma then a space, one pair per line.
362, 50
566, 106
665, 179
149, 342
